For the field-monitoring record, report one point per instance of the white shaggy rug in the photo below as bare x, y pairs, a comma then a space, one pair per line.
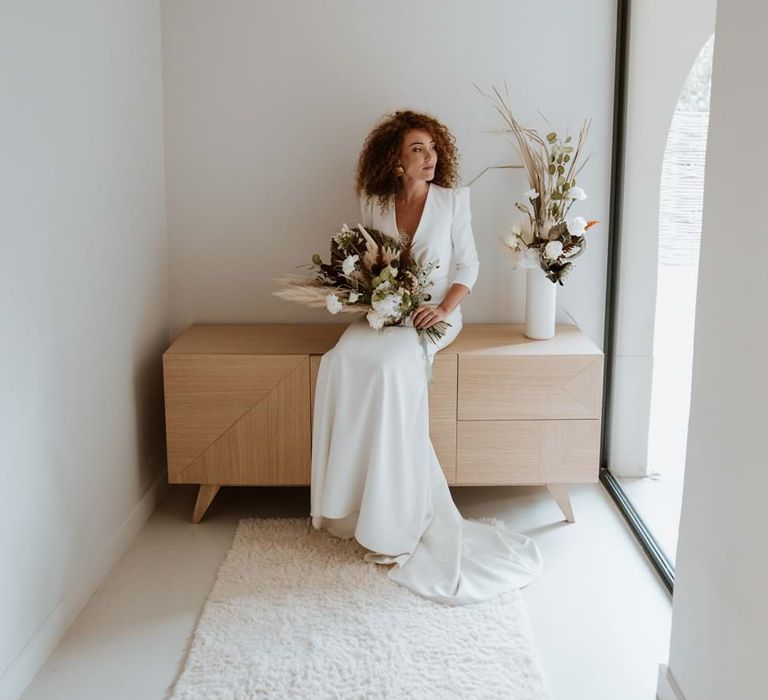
297, 613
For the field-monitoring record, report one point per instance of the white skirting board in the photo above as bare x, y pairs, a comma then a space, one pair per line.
20, 673
667, 688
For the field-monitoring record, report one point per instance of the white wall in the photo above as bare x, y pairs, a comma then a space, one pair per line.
267, 105
84, 306
664, 41
720, 614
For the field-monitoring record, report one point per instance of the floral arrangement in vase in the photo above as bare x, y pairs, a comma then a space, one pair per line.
368, 271
548, 238
551, 244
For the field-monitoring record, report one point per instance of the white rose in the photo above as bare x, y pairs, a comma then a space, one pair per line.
388, 305
577, 193
530, 194
349, 264
332, 303
353, 297
553, 249
577, 225
375, 321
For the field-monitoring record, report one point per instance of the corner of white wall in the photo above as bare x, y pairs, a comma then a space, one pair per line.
25, 666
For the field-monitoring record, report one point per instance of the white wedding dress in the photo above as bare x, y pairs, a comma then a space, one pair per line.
375, 474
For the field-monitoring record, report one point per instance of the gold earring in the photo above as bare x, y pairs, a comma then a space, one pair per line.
399, 170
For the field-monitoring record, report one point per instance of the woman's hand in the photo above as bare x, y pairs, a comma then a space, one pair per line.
426, 316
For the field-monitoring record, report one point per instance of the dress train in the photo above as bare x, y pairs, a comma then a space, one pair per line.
376, 477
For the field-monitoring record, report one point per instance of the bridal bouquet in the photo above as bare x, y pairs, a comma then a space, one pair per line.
547, 237
368, 271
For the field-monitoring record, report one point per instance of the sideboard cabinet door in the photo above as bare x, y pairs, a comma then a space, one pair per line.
237, 418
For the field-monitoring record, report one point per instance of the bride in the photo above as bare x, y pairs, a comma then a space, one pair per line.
375, 475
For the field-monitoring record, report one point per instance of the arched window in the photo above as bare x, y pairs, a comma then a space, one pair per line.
680, 217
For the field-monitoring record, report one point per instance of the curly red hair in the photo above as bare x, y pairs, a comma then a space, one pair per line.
375, 176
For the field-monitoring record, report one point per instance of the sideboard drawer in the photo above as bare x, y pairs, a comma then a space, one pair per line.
504, 387
498, 452
527, 451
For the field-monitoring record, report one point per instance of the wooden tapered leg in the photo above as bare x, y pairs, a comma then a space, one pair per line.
560, 494
205, 495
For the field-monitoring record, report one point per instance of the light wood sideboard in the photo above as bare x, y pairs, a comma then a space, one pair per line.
504, 409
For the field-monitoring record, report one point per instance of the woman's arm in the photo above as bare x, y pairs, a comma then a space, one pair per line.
426, 316
465, 261
453, 297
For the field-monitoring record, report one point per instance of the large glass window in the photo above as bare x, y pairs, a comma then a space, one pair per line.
667, 59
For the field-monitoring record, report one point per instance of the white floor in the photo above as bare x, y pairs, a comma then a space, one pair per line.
600, 614
658, 499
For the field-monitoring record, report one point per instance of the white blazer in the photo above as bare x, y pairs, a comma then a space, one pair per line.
443, 234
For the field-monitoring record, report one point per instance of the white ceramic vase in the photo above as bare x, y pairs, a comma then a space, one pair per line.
540, 305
